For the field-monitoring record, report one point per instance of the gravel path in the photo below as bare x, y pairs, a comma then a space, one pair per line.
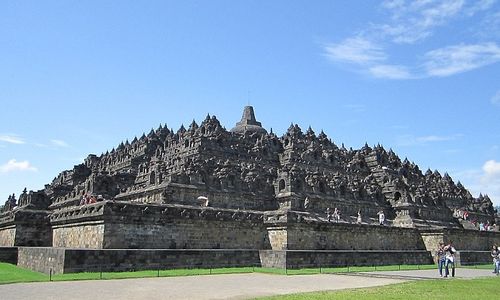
235, 286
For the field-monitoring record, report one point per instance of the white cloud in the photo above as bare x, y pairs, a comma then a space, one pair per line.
489, 182
480, 5
59, 143
435, 138
460, 58
13, 139
357, 50
14, 165
485, 180
356, 107
496, 98
491, 168
414, 21
410, 140
390, 72
411, 22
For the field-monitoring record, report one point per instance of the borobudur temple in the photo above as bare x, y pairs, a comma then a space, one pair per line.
205, 196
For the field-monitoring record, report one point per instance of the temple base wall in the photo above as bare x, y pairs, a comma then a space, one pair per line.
44, 260
110, 225
186, 234
468, 240
8, 255
296, 259
26, 229
341, 236
8, 236
88, 235
61, 260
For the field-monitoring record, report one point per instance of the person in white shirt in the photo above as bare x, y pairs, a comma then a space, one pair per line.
450, 259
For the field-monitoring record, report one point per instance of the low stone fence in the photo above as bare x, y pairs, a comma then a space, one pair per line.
60, 260
296, 259
475, 257
8, 255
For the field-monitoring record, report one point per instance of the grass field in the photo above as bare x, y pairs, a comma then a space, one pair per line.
483, 288
13, 274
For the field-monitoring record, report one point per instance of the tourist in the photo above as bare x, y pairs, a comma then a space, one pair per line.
329, 214
450, 259
82, 201
495, 254
481, 226
336, 215
92, 199
441, 258
306, 203
381, 217
359, 220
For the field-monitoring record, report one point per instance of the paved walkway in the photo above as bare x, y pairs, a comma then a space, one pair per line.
236, 286
428, 274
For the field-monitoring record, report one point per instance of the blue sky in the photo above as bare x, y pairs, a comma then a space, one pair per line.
420, 77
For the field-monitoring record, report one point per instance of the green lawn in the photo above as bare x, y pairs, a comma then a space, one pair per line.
12, 274
483, 288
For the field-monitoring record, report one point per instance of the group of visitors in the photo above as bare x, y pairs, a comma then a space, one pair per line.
90, 199
485, 226
462, 214
446, 259
335, 215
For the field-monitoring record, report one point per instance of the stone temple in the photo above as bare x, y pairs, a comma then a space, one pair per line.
204, 196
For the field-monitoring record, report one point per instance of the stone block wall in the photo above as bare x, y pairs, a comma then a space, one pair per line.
475, 257
119, 225
472, 239
8, 255
24, 227
186, 234
8, 236
278, 237
273, 258
33, 234
463, 240
303, 259
79, 235
187, 194
42, 259
342, 236
61, 260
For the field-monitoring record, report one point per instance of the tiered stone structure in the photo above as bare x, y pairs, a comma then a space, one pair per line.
216, 190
